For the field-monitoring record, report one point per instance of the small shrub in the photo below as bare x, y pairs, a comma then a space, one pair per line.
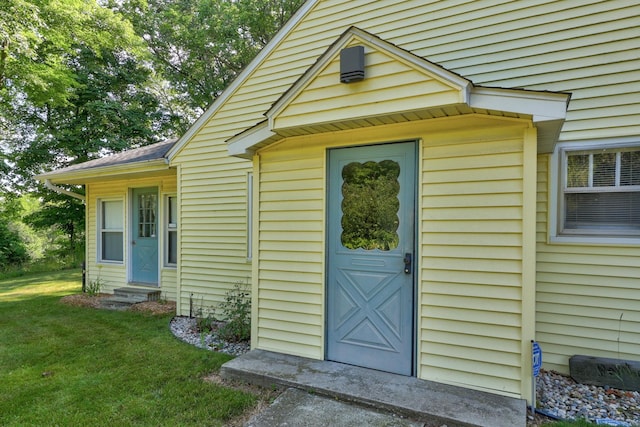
94, 287
205, 323
236, 310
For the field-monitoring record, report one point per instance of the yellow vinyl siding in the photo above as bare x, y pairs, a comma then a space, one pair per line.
213, 227
291, 247
472, 261
116, 275
588, 298
587, 49
475, 196
390, 86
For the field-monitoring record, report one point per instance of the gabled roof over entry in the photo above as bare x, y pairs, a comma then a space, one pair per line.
147, 160
398, 87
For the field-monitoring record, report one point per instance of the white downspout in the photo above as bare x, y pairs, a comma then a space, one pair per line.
51, 186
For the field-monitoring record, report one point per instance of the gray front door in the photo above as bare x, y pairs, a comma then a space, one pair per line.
370, 245
144, 242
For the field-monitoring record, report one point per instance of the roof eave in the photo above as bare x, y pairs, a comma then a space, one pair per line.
547, 109
92, 174
246, 143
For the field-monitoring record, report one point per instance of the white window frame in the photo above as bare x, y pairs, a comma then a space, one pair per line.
557, 181
170, 227
102, 229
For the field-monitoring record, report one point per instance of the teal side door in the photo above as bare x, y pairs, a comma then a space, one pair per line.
144, 242
370, 254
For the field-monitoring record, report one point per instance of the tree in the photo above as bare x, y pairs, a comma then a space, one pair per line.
13, 249
80, 79
61, 218
200, 46
75, 89
74, 82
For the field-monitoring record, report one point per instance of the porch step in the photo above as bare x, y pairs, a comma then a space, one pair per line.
115, 303
433, 403
135, 295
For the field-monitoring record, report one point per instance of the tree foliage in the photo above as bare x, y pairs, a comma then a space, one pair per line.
201, 45
13, 241
80, 79
75, 87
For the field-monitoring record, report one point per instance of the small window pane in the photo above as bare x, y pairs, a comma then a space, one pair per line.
577, 170
630, 168
172, 248
604, 170
112, 218
370, 205
173, 211
112, 246
602, 211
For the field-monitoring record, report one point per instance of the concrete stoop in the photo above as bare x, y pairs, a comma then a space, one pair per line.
125, 297
426, 401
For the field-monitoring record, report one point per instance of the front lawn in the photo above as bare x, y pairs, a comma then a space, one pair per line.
65, 365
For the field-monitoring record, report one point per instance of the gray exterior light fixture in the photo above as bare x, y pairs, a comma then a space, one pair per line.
352, 64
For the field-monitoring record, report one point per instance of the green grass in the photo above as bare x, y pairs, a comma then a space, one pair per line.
63, 365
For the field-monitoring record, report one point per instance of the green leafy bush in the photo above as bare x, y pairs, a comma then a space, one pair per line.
236, 311
13, 251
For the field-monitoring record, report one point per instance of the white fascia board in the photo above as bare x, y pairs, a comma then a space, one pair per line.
542, 106
241, 78
105, 171
242, 145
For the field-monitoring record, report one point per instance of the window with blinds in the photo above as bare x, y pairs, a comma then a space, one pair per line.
601, 192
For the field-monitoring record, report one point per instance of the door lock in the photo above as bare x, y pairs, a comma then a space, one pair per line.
407, 263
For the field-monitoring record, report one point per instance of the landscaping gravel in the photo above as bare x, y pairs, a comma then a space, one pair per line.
562, 397
186, 329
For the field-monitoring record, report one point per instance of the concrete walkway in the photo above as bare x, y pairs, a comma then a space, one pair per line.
430, 403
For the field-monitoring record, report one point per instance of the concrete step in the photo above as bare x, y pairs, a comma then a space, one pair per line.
428, 401
135, 295
115, 304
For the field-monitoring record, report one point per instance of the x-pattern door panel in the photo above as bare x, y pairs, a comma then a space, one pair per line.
370, 287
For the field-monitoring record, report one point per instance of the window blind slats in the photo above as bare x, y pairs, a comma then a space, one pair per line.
599, 196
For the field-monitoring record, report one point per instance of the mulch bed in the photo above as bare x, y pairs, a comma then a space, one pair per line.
94, 301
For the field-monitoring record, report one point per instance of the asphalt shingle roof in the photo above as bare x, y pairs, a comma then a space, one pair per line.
147, 153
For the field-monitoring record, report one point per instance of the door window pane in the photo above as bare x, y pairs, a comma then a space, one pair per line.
370, 205
147, 215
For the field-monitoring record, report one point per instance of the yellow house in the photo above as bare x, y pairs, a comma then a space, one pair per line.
131, 218
420, 187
